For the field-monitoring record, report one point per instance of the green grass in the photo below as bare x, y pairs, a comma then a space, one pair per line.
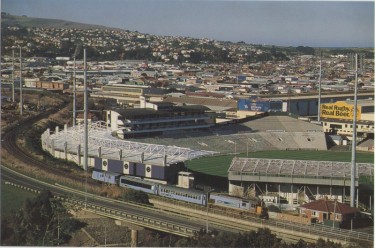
218, 166
12, 198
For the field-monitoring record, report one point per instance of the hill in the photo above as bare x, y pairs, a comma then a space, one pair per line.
124, 44
33, 22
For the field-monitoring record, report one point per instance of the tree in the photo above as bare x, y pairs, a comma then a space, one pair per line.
135, 196
42, 221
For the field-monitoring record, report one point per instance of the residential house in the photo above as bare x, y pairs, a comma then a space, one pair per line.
324, 211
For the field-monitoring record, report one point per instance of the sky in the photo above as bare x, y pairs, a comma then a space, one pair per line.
280, 23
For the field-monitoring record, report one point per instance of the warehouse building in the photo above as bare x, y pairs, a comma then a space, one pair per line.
302, 105
337, 118
128, 94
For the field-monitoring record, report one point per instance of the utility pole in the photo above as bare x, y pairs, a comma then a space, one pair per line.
21, 101
207, 197
334, 214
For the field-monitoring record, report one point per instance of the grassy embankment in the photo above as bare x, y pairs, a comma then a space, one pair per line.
12, 198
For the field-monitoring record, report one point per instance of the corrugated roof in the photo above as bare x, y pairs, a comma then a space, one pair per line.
227, 103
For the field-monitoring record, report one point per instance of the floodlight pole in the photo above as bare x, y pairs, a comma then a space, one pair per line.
21, 101
74, 92
320, 86
354, 138
12, 74
85, 123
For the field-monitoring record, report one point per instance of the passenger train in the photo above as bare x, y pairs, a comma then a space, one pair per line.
177, 193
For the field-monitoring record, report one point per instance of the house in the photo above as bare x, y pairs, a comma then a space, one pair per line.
325, 210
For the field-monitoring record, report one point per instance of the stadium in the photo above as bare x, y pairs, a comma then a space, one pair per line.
161, 158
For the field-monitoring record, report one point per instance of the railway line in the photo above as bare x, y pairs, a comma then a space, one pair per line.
9, 143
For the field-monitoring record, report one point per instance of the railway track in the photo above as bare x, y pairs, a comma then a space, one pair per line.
9, 143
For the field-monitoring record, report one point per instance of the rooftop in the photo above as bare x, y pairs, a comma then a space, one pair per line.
100, 136
298, 168
328, 206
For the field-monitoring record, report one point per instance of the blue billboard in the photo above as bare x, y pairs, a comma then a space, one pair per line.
241, 78
259, 105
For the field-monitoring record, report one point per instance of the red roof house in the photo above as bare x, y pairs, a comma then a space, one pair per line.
324, 209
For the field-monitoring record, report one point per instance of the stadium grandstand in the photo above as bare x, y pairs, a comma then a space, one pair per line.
268, 133
107, 153
296, 180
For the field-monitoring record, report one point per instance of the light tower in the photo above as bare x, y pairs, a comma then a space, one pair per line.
76, 52
21, 101
12, 74
320, 86
357, 63
86, 133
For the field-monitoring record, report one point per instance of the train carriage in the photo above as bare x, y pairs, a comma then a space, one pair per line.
139, 184
106, 177
181, 194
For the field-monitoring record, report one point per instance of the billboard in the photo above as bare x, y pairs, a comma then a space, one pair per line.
339, 110
258, 105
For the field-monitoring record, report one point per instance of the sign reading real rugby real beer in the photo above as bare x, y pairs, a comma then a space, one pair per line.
339, 110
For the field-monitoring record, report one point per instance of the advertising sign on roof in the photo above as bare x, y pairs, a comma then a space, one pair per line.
339, 110
258, 105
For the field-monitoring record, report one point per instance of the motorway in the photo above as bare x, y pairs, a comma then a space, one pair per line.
183, 220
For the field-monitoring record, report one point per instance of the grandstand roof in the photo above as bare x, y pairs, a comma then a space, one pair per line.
303, 97
212, 103
100, 136
148, 112
297, 168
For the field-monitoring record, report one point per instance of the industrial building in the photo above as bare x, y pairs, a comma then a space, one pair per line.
301, 105
128, 94
337, 118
